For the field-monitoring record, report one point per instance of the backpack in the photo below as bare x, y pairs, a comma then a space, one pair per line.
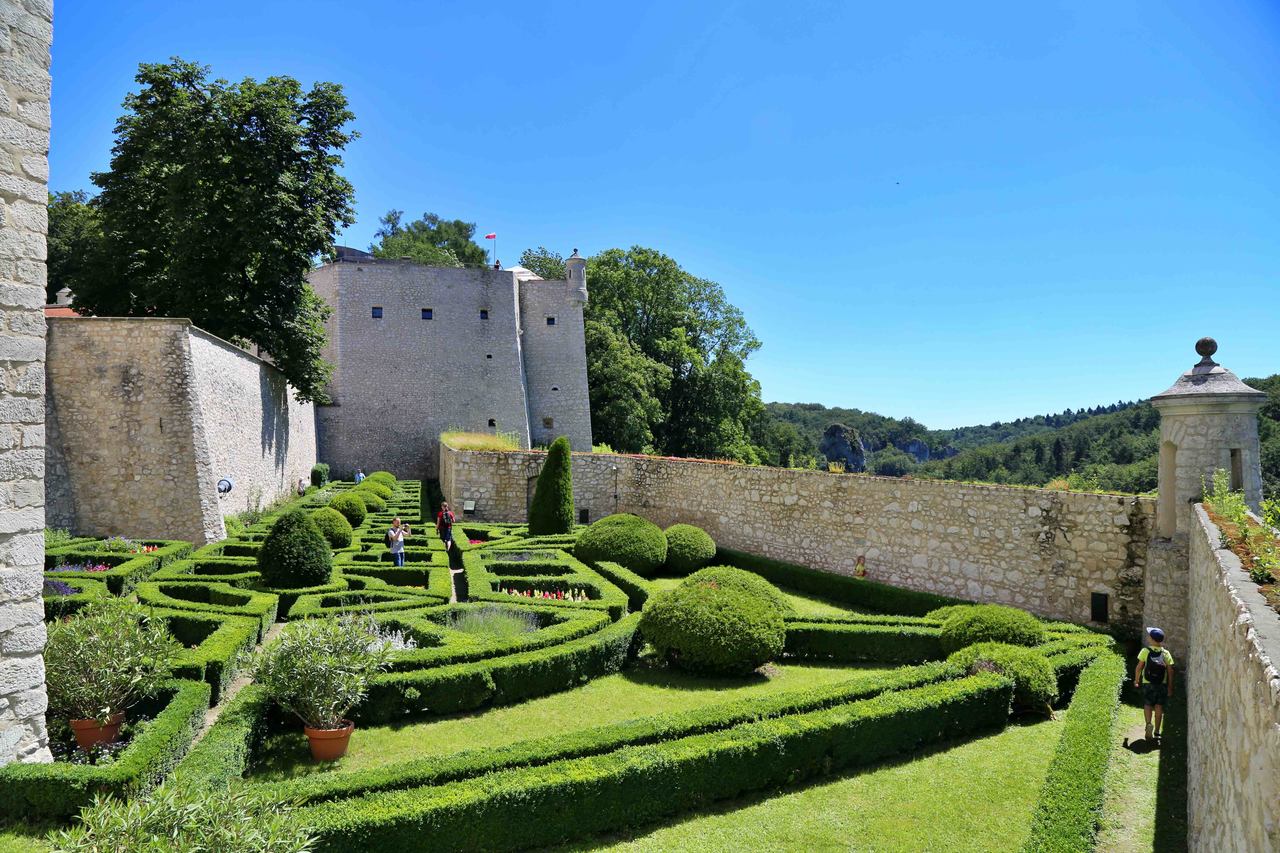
1155, 668
446, 520
387, 539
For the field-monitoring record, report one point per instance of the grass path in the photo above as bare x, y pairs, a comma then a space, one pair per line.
973, 796
628, 695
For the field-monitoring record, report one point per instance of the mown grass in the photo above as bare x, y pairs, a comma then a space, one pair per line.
639, 692
972, 796
460, 440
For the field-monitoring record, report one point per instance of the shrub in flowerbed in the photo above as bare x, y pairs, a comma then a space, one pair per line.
333, 526
64, 596
689, 548
237, 571
991, 623
320, 473
121, 572
373, 502
552, 508
386, 478
863, 641
351, 506
212, 598
628, 540
216, 645
707, 629
727, 577
295, 553
374, 487
1035, 684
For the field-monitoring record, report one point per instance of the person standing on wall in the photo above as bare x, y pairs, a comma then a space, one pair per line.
444, 525
395, 540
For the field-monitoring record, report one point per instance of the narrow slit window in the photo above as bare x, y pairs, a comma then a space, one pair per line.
484, 313
1100, 607
377, 312
1237, 470
584, 516
427, 314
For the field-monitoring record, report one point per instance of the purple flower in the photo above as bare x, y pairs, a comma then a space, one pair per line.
55, 587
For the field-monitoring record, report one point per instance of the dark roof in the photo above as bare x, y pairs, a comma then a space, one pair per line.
346, 253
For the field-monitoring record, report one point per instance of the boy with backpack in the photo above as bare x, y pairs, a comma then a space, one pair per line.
1154, 676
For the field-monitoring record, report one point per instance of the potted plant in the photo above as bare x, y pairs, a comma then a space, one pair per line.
318, 671
100, 662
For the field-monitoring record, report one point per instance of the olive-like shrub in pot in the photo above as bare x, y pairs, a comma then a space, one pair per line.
100, 662
318, 671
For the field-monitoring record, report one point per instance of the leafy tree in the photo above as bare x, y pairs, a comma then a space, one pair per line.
429, 240
626, 387
544, 262
75, 238
552, 507
218, 198
892, 462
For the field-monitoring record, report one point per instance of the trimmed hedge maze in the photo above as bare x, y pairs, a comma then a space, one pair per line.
577, 622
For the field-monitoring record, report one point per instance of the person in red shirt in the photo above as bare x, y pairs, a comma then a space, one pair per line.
444, 525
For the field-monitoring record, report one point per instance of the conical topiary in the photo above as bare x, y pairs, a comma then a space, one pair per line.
295, 553
552, 508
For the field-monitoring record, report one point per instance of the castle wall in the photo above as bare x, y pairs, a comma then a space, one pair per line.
150, 413
555, 358
1044, 551
1233, 703
26, 31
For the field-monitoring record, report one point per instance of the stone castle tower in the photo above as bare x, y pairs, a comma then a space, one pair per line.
419, 350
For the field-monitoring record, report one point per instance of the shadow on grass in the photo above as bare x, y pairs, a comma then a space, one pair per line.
1171, 779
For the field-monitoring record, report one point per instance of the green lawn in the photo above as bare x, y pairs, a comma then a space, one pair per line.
17, 840
640, 692
977, 795
804, 604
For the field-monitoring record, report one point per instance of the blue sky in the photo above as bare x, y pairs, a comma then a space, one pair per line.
958, 212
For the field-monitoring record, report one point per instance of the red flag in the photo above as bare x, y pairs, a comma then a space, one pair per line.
493, 236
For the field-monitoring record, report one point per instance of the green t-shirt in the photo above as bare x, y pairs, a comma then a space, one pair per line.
1146, 653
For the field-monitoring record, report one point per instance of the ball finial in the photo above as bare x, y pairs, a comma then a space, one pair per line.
1206, 347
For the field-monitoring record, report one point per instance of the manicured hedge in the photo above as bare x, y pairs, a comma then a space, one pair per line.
333, 526
553, 802
127, 570
237, 571
856, 592
220, 644
567, 625
351, 506
87, 591
1066, 815
224, 753
626, 539
59, 790
860, 641
295, 553
748, 583
319, 473
689, 548
552, 508
990, 623
1035, 682
635, 587
713, 630
501, 681
212, 598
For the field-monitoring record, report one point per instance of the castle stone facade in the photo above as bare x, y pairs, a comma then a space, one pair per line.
420, 350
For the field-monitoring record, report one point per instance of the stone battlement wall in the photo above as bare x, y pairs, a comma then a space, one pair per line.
1233, 704
1045, 551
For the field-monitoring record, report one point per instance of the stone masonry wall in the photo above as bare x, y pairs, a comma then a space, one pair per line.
1233, 709
26, 31
1040, 550
259, 435
555, 358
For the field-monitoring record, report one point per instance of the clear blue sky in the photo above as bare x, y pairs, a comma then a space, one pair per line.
960, 212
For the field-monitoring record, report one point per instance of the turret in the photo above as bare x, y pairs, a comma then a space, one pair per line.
576, 271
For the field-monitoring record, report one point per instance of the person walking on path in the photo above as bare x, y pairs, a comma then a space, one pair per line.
395, 540
1154, 676
444, 525
359, 476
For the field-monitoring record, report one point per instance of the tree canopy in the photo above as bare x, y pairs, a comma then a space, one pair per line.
429, 240
75, 232
218, 197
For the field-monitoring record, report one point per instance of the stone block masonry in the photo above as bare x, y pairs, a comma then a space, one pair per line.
148, 414
26, 30
1044, 551
1233, 704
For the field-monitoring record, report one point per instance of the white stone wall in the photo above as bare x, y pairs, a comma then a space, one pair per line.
1205, 433
26, 30
258, 433
555, 358
1233, 698
1041, 550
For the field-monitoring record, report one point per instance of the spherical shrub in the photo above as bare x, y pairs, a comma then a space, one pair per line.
713, 630
376, 488
333, 526
386, 478
749, 583
351, 506
941, 614
689, 548
373, 502
295, 554
1035, 684
991, 623
625, 539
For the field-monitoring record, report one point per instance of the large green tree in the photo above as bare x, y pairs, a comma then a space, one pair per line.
218, 198
429, 240
75, 235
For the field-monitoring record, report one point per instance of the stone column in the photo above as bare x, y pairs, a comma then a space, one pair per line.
26, 30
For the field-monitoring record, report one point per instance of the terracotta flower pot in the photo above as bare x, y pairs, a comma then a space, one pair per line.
329, 744
90, 733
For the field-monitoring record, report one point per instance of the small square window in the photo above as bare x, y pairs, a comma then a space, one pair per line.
377, 312
584, 516
551, 321
493, 422
548, 423
484, 313
426, 314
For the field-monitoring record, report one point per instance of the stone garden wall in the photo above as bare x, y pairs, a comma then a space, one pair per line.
1045, 551
1233, 713
26, 30
148, 415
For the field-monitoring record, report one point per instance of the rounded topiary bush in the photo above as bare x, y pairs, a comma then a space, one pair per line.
941, 614
689, 548
728, 577
376, 488
625, 539
385, 478
351, 506
713, 630
552, 509
1035, 684
334, 527
373, 502
295, 554
991, 623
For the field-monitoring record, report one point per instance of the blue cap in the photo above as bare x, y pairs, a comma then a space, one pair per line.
1156, 634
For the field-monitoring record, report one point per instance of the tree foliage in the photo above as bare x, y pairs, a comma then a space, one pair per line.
552, 509
544, 262
75, 233
218, 197
429, 240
